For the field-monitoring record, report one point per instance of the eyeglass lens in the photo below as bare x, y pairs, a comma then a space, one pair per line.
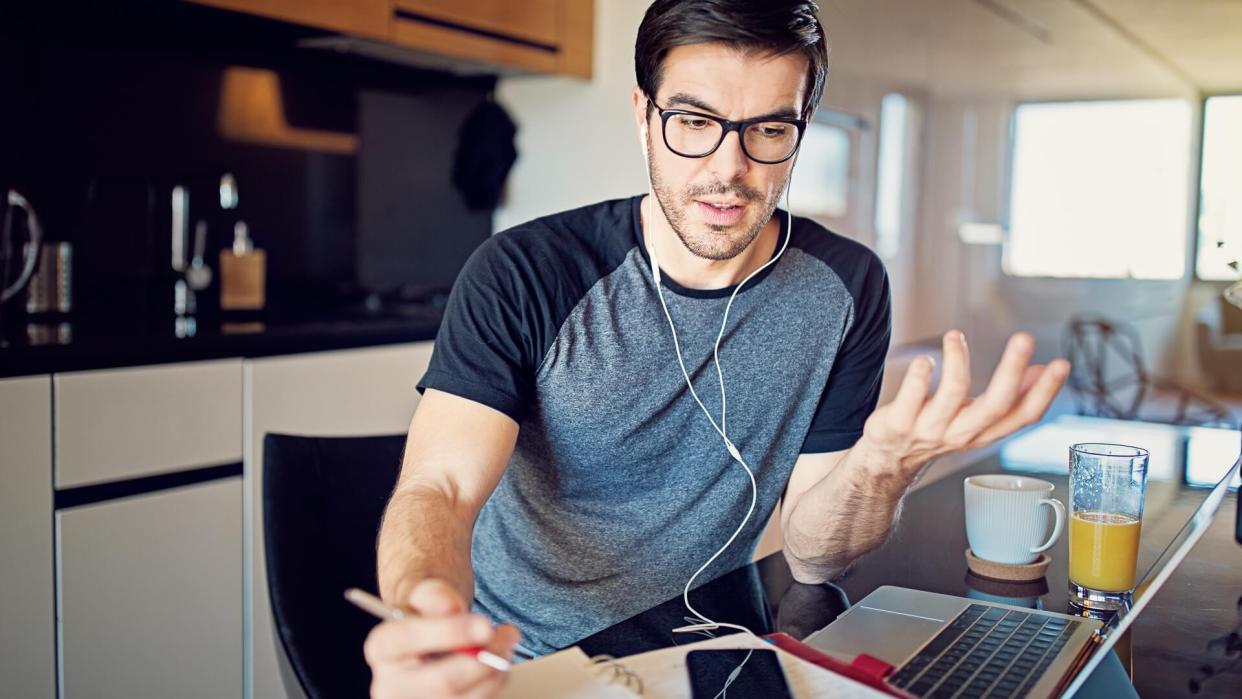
695, 136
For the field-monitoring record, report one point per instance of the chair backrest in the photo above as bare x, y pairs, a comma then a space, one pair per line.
1108, 378
323, 498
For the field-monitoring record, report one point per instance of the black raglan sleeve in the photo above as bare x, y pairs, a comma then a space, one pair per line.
486, 349
853, 387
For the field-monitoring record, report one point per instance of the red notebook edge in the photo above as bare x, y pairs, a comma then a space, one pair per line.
865, 669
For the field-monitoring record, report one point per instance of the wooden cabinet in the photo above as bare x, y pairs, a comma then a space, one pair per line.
344, 393
27, 592
151, 594
547, 36
533, 21
540, 36
368, 18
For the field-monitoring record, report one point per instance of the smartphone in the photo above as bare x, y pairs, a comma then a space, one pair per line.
721, 674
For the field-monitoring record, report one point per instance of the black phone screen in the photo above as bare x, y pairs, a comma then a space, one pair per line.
736, 674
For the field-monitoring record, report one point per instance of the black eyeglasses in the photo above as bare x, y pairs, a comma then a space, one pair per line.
767, 140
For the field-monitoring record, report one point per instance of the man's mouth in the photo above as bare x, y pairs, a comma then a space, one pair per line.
720, 212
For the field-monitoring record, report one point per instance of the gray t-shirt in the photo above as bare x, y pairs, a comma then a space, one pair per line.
619, 488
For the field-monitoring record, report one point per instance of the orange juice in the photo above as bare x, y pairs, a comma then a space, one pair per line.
1103, 550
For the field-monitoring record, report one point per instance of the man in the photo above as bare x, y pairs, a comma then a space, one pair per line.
559, 476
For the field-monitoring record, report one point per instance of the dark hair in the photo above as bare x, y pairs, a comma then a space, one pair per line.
772, 27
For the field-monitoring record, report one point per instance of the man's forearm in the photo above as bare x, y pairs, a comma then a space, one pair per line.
849, 512
425, 534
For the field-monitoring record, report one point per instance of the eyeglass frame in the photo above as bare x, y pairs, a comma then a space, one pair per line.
728, 126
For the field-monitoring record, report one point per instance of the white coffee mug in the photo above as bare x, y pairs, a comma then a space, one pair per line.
1005, 522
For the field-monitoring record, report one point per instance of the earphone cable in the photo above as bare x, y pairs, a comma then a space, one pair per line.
708, 624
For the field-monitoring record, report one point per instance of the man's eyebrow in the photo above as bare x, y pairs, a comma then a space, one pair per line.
689, 100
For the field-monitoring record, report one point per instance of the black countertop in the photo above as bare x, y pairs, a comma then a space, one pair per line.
43, 346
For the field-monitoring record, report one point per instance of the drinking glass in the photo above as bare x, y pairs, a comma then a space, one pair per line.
1107, 485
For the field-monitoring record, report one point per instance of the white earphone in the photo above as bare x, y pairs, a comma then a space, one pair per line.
703, 623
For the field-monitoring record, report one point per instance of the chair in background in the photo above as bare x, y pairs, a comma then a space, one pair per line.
1109, 378
1219, 334
323, 498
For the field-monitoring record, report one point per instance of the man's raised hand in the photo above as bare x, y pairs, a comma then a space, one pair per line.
915, 427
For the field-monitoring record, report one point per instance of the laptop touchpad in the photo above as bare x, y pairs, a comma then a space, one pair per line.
888, 635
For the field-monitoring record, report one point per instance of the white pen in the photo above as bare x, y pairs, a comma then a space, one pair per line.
376, 607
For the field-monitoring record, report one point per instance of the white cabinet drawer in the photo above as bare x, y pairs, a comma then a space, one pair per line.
27, 643
123, 423
150, 595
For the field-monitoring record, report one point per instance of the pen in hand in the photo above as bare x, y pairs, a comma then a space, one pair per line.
376, 607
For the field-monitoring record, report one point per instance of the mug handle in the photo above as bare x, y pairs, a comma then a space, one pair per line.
1059, 508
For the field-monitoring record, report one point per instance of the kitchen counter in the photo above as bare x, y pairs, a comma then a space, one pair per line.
41, 348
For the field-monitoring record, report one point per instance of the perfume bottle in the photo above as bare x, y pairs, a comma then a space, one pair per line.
243, 273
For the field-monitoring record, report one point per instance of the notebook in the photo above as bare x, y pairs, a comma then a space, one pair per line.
570, 674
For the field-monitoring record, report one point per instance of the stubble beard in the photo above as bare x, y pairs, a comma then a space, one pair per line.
716, 242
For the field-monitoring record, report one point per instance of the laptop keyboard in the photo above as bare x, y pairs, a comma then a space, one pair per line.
986, 652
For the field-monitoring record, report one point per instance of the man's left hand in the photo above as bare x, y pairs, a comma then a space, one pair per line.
903, 436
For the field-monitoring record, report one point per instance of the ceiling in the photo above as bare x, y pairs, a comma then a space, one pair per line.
1040, 48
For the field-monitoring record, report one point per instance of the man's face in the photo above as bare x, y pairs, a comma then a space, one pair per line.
718, 204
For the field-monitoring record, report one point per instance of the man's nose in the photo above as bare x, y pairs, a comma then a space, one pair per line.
729, 162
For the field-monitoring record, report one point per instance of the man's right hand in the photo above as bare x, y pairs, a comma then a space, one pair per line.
415, 657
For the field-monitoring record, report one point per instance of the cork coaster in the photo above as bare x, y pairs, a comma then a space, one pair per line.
1005, 571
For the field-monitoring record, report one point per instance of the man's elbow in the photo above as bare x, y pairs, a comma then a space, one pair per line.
811, 574
811, 565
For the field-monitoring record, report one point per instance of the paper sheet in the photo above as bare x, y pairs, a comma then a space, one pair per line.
568, 674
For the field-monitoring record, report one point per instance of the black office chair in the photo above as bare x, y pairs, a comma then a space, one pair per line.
323, 498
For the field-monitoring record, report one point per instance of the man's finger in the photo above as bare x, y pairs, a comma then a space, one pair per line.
912, 393
458, 673
1034, 404
1002, 391
1029, 377
501, 644
437, 598
395, 641
954, 387
489, 688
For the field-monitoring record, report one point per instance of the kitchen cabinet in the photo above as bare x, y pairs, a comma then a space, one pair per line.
545, 36
27, 604
533, 21
536, 36
369, 18
151, 594
117, 424
131, 523
343, 393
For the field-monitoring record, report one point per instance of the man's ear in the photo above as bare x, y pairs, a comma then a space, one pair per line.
640, 107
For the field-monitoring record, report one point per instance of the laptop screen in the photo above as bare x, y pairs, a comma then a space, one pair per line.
1159, 572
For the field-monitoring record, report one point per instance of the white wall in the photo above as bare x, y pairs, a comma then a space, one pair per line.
576, 139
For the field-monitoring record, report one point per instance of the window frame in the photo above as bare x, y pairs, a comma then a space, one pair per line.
1198, 188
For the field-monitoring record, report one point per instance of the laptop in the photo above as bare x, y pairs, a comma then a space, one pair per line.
947, 646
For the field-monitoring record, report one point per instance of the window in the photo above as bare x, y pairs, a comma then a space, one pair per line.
820, 185
1099, 189
1220, 189
890, 174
